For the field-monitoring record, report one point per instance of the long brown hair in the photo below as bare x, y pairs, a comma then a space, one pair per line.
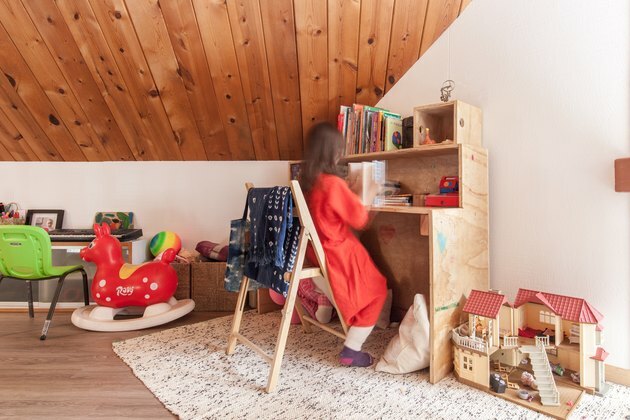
323, 149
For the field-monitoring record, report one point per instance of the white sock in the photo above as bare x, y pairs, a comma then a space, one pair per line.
357, 336
324, 314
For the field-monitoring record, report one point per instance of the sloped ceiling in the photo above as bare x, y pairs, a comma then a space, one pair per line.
101, 80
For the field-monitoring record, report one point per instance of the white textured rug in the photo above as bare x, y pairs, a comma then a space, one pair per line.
187, 370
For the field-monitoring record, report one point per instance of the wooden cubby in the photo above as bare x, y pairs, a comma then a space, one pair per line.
450, 256
455, 120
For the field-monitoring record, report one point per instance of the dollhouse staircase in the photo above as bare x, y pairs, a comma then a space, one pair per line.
542, 372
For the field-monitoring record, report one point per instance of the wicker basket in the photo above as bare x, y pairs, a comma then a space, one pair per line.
207, 287
183, 280
13, 220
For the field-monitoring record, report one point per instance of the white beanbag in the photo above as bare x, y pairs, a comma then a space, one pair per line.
409, 350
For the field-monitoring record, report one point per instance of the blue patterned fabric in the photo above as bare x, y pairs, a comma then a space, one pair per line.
274, 237
256, 201
238, 250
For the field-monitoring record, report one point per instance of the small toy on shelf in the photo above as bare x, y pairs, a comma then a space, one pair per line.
427, 137
118, 286
448, 196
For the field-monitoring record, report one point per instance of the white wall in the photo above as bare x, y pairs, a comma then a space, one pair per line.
196, 200
552, 78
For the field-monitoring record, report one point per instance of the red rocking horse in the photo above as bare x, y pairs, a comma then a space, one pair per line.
118, 286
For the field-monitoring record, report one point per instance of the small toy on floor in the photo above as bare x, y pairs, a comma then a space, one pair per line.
528, 379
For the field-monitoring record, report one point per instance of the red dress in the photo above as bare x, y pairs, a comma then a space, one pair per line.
357, 285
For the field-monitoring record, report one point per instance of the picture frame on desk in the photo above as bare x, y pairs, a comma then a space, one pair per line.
46, 219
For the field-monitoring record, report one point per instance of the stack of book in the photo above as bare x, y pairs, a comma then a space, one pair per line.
397, 200
368, 129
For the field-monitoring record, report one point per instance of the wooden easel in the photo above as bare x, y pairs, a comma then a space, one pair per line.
307, 233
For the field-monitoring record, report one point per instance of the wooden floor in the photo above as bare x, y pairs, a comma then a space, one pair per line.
74, 373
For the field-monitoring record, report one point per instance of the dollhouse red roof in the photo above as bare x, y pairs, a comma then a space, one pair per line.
485, 304
569, 308
600, 354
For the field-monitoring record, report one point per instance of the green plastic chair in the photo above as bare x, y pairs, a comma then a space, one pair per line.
25, 254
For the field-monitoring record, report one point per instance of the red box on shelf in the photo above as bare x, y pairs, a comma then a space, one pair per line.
442, 200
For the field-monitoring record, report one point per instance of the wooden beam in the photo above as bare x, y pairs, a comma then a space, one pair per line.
64, 49
183, 30
22, 117
440, 14
76, 141
343, 43
279, 28
98, 57
407, 27
154, 40
216, 34
311, 26
374, 34
13, 141
5, 155
117, 28
249, 43
622, 175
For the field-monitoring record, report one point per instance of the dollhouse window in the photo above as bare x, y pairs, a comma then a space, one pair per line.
467, 365
547, 317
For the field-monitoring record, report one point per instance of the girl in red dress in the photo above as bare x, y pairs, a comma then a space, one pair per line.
358, 287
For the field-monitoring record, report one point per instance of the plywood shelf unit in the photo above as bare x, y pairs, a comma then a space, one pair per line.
451, 256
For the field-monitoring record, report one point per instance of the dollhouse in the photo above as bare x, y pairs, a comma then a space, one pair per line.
555, 338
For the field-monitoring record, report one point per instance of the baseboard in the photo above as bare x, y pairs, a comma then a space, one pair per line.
22, 307
618, 375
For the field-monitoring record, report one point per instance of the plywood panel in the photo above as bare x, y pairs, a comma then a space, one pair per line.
406, 37
402, 255
154, 40
214, 24
249, 43
181, 22
59, 40
374, 34
13, 142
312, 42
118, 30
343, 42
98, 57
83, 142
459, 263
440, 14
279, 28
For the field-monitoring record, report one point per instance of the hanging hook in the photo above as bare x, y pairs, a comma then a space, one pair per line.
445, 91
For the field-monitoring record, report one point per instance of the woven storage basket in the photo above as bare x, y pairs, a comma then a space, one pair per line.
183, 280
13, 221
208, 292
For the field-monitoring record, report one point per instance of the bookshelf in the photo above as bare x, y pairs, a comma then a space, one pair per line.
441, 252
437, 251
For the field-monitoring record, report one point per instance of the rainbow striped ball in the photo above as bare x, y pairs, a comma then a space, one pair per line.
163, 241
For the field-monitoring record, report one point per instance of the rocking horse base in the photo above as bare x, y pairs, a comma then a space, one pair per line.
101, 318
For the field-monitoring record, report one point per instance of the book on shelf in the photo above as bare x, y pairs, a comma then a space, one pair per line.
393, 133
364, 176
367, 129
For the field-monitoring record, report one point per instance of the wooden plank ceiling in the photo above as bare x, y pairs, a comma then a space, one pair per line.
103, 80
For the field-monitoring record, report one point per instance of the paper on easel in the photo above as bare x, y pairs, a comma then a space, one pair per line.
366, 174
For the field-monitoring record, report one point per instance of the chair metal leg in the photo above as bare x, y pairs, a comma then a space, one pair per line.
29, 285
86, 292
53, 304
